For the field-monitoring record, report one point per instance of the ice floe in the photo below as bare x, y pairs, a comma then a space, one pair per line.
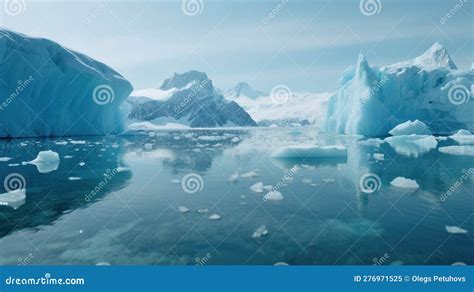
46, 161
182, 209
406, 183
410, 128
412, 145
463, 137
13, 199
257, 187
455, 230
458, 150
214, 217
273, 196
260, 231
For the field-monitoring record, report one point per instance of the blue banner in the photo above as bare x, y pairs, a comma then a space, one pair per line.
237, 278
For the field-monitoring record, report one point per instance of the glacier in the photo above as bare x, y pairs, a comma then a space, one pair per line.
49, 90
371, 101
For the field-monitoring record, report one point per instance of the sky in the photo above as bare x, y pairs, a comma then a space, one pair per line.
305, 45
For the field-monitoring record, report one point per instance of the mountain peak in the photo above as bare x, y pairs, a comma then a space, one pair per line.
184, 79
243, 89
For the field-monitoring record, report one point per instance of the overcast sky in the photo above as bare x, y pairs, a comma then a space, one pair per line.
302, 44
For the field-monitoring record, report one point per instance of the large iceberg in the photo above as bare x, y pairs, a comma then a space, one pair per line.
49, 90
371, 101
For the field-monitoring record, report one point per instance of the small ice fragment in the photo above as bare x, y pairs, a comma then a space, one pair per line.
80, 231
458, 150
182, 209
273, 196
214, 217
60, 142
258, 187
78, 142
5, 159
82, 163
122, 169
68, 157
280, 264
253, 173
375, 142
235, 140
46, 161
13, 199
103, 264
458, 264
261, 231
13, 164
74, 178
234, 177
401, 182
379, 156
202, 211
176, 181
455, 230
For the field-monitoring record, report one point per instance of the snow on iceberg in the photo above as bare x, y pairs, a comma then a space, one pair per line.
463, 137
46, 161
371, 101
49, 90
311, 152
412, 145
410, 128
458, 150
405, 183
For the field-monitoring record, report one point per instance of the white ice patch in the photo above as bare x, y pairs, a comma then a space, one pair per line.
458, 150
46, 161
405, 183
214, 217
258, 187
410, 128
379, 156
253, 173
74, 178
182, 209
260, 231
463, 137
455, 230
13, 199
412, 145
5, 159
233, 177
311, 152
273, 196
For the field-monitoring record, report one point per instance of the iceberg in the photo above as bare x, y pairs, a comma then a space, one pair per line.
463, 137
455, 230
410, 128
412, 145
46, 161
311, 152
273, 195
13, 199
457, 150
70, 94
371, 101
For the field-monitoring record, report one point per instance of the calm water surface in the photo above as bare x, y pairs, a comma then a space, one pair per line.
86, 212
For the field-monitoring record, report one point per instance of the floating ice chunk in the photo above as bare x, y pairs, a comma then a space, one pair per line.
375, 142
78, 142
253, 173
74, 178
379, 156
281, 264
463, 137
182, 209
148, 146
234, 177
260, 231
273, 196
412, 145
458, 264
176, 181
13, 199
61, 143
410, 128
13, 164
202, 211
458, 150
122, 169
311, 151
103, 264
257, 187
82, 163
46, 161
214, 217
235, 140
401, 182
5, 159
441, 138
68, 156
455, 230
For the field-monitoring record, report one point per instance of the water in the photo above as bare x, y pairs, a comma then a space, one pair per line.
131, 217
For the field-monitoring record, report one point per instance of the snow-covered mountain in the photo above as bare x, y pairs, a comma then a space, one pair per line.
298, 108
49, 90
371, 101
243, 90
186, 99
